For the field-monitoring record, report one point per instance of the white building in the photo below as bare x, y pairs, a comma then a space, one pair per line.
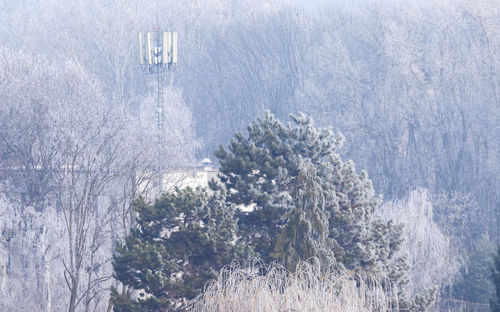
194, 177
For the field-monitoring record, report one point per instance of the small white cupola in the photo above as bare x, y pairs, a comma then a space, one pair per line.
207, 164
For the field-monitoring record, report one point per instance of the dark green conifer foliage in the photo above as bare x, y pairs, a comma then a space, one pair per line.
476, 284
307, 201
179, 243
495, 274
306, 233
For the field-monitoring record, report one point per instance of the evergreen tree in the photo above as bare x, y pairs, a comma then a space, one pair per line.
306, 233
179, 243
306, 201
476, 284
495, 274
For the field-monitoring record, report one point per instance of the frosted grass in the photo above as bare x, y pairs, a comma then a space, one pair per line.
308, 289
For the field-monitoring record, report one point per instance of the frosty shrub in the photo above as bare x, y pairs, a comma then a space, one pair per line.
31, 244
308, 289
433, 260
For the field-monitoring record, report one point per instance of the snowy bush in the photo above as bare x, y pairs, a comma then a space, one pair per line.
308, 289
433, 260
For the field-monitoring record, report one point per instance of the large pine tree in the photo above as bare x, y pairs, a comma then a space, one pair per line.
297, 199
300, 189
180, 242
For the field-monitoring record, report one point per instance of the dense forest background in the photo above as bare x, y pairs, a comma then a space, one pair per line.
413, 86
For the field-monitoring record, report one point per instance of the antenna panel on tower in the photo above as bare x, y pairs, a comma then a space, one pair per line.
167, 45
148, 48
174, 47
141, 50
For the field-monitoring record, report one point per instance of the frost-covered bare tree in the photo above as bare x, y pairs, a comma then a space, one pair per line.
65, 143
434, 262
413, 86
91, 138
64, 146
28, 149
148, 153
31, 245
